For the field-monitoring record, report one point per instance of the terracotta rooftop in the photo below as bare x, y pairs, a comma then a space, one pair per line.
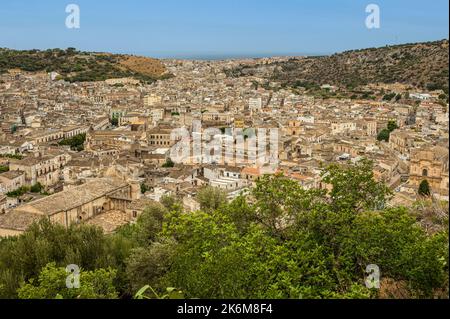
18, 220
141, 204
109, 221
74, 197
251, 171
11, 174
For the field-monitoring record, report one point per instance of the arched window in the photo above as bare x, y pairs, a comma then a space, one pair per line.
425, 172
81, 217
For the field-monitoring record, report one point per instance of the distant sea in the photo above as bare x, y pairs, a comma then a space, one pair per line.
217, 57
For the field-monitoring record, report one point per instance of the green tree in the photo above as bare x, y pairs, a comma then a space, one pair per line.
169, 163
36, 188
144, 188
22, 258
424, 188
384, 135
148, 265
149, 224
389, 96
114, 121
278, 241
18, 192
76, 142
355, 188
51, 284
282, 241
392, 126
171, 203
211, 198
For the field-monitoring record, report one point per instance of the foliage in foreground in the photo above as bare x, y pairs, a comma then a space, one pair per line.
52, 284
281, 241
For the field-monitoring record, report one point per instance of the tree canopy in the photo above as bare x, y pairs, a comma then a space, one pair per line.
279, 241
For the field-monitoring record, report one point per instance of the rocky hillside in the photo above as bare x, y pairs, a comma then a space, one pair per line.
423, 65
76, 66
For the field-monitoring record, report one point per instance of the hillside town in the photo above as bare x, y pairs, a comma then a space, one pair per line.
100, 152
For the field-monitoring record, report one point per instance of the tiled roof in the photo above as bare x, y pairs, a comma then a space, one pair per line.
74, 197
18, 220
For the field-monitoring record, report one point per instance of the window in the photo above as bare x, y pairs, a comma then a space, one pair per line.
425, 172
134, 214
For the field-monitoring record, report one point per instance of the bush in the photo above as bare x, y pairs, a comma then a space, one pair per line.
424, 189
51, 284
169, 163
76, 142
384, 135
36, 188
18, 192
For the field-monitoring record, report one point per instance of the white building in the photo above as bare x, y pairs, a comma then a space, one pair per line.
420, 96
152, 99
255, 104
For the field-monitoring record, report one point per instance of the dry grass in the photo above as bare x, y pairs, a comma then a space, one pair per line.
147, 66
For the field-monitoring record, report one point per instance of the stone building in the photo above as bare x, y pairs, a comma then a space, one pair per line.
10, 181
3, 204
160, 136
401, 141
45, 170
430, 163
72, 206
294, 128
138, 206
112, 139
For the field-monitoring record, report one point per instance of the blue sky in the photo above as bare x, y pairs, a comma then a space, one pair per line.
219, 27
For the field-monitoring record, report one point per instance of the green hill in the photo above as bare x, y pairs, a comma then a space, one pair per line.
422, 65
76, 66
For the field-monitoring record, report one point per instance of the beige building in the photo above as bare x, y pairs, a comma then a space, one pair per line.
47, 136
72, 206
431, 164
10, 181
401, 142
368, 126
122, 81
160, 137
41, 169
342, 126
137, 207
112, 139
152, 100
72, 131
294, 128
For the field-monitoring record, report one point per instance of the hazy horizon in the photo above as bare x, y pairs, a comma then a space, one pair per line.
219, 55
175, 28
